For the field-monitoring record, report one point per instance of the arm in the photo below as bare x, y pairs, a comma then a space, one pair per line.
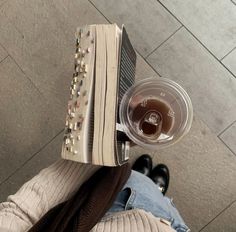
50, 187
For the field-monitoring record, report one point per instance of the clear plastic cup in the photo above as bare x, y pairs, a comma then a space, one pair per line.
156, 113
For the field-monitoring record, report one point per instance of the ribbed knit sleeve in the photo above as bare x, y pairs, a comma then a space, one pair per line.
136, 220
56, 184
50, 187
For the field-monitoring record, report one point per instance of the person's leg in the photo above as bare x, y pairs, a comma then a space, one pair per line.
159, 175
142, 193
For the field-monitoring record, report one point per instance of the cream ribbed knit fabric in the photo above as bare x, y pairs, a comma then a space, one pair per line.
56, 184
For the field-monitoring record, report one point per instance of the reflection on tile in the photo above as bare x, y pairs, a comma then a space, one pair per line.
230, 61
229, 137
211, 87
211, 21
224, 222
42, 160
202, 175
148, 23
27, 122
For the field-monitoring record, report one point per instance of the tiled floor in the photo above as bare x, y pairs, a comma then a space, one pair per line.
191, 42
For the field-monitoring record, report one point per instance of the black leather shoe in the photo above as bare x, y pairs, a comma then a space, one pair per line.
143, 164
161, 176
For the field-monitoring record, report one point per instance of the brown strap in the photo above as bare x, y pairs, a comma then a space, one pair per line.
90, 203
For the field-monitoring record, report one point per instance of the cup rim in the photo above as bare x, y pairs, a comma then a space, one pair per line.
125, 121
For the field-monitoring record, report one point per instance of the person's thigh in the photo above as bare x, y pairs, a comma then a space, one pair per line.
140, 192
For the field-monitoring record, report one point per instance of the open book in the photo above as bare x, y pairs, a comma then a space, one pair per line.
104, 69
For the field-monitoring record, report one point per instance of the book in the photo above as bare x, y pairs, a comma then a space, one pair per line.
104, 70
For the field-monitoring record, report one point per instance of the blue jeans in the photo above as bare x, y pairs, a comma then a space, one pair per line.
141, 192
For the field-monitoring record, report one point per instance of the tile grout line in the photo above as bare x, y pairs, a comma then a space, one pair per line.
31, 157
163, 42
226, 145
227, 54
218, 215
4, 49
26, 75
148, 63
217, 136
182, 26
233, 2
1, 61
135, 49
226, 128
9, 55
99, 11
198, 40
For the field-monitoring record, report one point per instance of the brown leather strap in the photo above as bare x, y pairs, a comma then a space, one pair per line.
90, 203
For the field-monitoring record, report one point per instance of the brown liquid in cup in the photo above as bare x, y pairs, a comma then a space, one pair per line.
161, 109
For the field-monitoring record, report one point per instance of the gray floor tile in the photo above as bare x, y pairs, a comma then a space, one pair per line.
212, 22
225, 222
137, 151
41, 38
143, 69
211, 87
147, 23
229, 137
43, 159
3, 54
230, 61
202, 175
27, 122
2, 2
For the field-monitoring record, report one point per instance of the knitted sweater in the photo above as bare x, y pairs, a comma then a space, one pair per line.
56, 184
